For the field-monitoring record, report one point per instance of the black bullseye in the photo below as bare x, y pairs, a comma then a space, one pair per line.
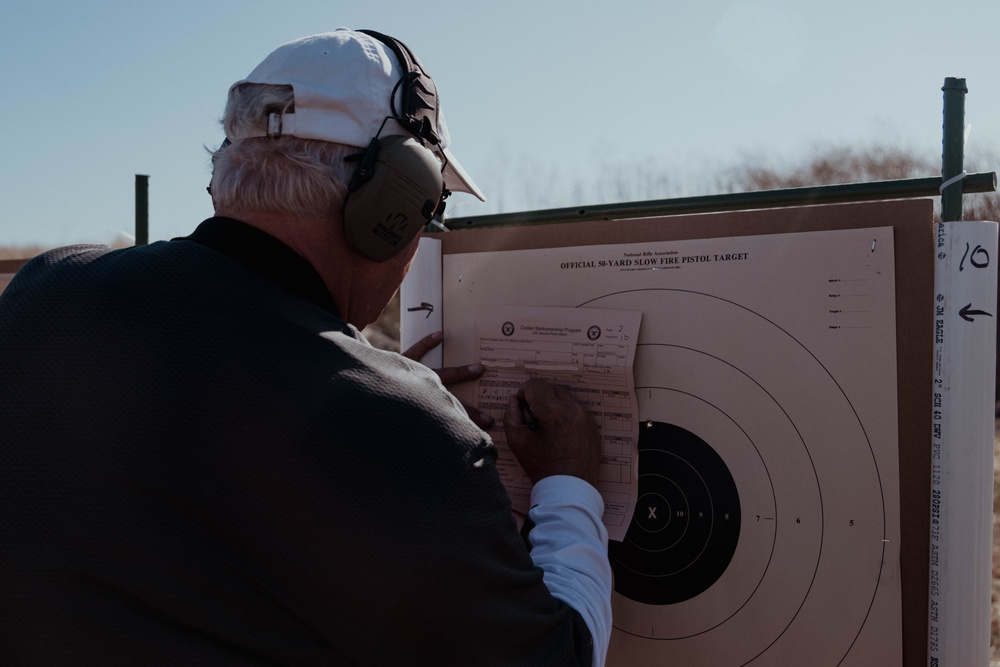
686, 523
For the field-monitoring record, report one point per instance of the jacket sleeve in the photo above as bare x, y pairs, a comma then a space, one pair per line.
476, 597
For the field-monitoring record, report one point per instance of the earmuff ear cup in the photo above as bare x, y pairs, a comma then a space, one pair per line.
387, 211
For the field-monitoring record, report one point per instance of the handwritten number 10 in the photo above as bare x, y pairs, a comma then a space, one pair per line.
978, 263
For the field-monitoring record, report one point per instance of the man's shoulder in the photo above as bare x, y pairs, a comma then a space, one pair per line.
390, 377
87, 257
64, 256
53, 269
410, 399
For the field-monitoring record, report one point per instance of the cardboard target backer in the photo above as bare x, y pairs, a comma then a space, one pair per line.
782, 375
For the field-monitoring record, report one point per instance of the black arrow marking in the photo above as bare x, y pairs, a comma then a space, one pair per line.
429, 307
967, 313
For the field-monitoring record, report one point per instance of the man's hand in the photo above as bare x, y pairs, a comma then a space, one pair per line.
550, 433
452, 374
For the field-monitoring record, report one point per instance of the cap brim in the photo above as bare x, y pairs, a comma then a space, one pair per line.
457, 179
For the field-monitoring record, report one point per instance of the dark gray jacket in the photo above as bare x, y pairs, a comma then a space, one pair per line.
201, 463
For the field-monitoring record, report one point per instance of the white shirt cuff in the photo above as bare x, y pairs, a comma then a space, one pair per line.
570, 544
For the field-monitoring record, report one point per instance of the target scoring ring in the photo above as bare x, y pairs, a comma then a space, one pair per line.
799, 512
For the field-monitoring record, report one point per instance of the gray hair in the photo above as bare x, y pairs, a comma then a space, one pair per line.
276, 174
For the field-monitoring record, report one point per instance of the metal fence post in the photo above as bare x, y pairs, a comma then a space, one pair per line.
141, 209
953, 147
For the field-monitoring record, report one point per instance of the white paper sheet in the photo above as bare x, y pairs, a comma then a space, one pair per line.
589, 351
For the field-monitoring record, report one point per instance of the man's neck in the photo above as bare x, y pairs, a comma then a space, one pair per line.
359, 287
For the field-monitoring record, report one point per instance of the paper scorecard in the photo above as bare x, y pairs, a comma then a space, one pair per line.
590, 352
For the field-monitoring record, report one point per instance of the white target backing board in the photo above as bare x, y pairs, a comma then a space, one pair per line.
767, 527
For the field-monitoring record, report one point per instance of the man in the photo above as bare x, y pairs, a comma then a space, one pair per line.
204, 462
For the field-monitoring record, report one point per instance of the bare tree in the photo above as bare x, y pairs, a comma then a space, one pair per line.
858, 165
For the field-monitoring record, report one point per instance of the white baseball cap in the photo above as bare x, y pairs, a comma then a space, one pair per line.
343, 82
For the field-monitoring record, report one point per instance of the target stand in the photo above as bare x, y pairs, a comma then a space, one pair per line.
783, 472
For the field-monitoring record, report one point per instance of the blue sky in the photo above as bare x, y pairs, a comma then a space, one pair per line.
542, 97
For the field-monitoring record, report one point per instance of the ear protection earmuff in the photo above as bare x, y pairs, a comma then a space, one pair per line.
399, 197
398, 183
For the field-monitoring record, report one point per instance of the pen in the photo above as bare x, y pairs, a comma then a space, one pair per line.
527, 414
